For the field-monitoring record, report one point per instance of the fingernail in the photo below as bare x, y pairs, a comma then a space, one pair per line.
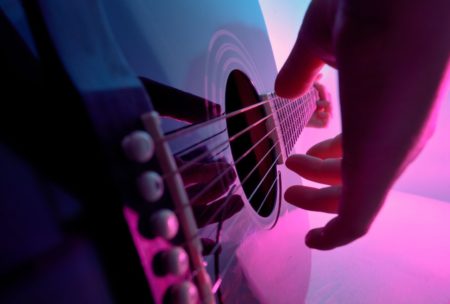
288, 162
312, 239
309, 238
288, 195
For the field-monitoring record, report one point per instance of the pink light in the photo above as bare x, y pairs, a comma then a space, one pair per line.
403, 259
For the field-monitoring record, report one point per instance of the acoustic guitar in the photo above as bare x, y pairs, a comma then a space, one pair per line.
189, 144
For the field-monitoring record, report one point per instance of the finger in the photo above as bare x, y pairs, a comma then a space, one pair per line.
298, 73
321, 115
334, 234
317, 239
313, 199
319, 120
326, 171
322, 90
324, 106
310, 52
330, 148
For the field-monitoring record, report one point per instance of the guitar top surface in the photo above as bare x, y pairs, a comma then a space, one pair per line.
110, 62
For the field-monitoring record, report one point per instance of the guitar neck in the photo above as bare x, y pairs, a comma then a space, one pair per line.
290, 116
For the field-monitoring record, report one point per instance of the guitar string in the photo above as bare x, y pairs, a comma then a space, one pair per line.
182, 131
229, 195
217, 246
221, 274
246, 153
207, 153
193, 146
233, 190
226, 142
232, 165
267, 194
301, 106
224, 204
303, 99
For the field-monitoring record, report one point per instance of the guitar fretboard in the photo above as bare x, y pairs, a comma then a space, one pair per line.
295, 114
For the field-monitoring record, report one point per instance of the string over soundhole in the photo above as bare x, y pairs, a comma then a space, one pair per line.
253, 150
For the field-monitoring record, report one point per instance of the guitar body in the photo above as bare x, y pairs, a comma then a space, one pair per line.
196, 48
175, 57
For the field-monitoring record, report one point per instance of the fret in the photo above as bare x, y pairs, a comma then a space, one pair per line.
301, 110
288, 117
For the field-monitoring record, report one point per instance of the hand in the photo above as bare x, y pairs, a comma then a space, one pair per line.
391, 62
321, 164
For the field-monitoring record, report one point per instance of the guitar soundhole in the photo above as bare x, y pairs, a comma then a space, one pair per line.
255, 158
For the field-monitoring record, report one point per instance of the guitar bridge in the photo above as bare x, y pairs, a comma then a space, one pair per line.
183, 209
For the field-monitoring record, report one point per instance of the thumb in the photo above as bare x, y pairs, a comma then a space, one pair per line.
311, 51
336, 233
